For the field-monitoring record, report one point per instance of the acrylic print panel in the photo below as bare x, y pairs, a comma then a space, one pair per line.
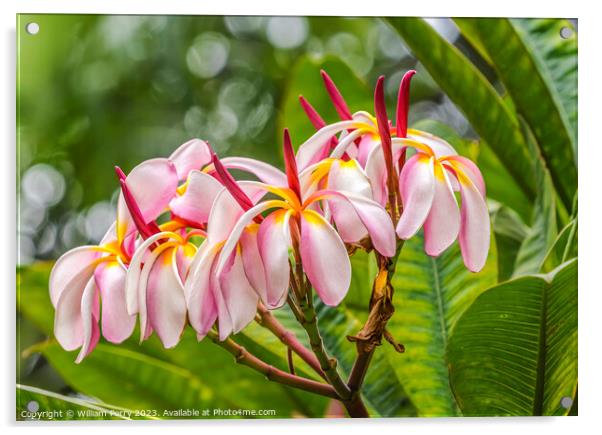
284, 217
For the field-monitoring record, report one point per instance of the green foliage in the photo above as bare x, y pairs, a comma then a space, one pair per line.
563, 249
37, 404
468, 88
542, 234
514, 352
548, 103
430, 296
510, 233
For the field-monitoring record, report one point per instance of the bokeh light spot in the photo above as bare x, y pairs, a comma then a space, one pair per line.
287, 32
208, 55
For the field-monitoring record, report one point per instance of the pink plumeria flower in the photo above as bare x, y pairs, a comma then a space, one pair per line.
157, 184
295, 220
77, 280
230, 297
340, 175
82, 274
154, 283
426, 182
360, 132
160, 266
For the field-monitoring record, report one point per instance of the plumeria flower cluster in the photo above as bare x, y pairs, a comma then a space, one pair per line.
192, 245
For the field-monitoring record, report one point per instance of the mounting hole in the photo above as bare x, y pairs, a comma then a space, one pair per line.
566, 32
32, 28
566, 402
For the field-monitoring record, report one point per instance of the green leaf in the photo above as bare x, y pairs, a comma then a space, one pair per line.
514, 351
510, 232
539, 70
33, 298
543, 232
501, 185
133, 375
37, 404
474, 95
132, 379
470, 32
564, 248
430, 295
557, 60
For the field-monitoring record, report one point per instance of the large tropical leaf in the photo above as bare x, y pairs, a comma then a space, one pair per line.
564, 248
538, 68
542, 234
474, 95
514, 351
134, 380
556, 58
37, 404
430, 296
510, 232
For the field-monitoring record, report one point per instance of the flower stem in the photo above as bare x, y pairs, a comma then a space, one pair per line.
268, 321
327, 364
272, 373
353, 403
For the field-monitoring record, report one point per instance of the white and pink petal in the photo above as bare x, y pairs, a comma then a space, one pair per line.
273, 240
153, 184
417, 189
325, 259
443, 221
117, 324
166, 304
194, 206
189, 156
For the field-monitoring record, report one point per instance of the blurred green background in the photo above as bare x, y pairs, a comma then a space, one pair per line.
99, 91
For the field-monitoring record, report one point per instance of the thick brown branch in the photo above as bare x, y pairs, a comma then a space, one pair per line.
381, 310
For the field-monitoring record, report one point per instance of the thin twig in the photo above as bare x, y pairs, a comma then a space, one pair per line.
289, 357
288, 338
272, 373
